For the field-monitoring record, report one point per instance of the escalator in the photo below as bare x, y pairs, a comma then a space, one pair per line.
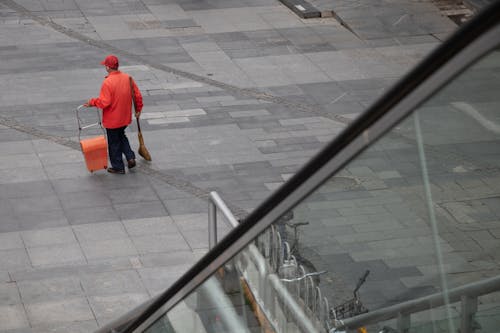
393, 227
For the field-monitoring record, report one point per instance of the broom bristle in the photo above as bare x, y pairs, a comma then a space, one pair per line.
143, 151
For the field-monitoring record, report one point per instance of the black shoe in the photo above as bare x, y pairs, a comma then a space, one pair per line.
131, 163
113, 170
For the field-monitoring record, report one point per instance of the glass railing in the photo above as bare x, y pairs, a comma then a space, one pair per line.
403, 205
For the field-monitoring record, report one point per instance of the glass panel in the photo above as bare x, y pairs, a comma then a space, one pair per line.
415, 214
487, 318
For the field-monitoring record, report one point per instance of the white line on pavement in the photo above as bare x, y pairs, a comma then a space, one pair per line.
469, 110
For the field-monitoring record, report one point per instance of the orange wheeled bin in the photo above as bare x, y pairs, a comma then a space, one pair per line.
95, 150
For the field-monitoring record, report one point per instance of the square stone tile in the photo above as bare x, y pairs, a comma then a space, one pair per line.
26, 189
112, 283
19, 161
43, 290
59, 254
87, 215
48, 202
192, 221
68, 171
84, 199
63, 186
51, 236
160, 243
100, 231
186, 206
10, 240
112, 248
12, 317
67, 310
176, 258
132, 195
158, 279
9, 294
49, 159
150, 226
74, 327
40, 220
17, 147
197, 239
141, 210
110, 307
14, 259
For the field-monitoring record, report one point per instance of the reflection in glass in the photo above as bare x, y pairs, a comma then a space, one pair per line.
415, 214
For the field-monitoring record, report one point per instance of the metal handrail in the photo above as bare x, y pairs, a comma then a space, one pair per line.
215, 202
301, 319
463, 293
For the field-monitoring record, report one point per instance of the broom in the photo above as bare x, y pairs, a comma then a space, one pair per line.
143, 151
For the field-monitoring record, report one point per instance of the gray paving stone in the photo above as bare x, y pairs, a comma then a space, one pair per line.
26, 189
9, 294
51, 236
158, 279
10, 240
140, 210
84, 199
191, 221
19, 147
150, 226
112, 248
76, 327
67, 310
168, 259
112, 283
253, 113
13, 317
197, 239
31, 220
67, 171
21, 174
110, 307
35, 204
91, 215
38, 291
132, 195
160, 243
100, 232
57, 254
14, 259
185, 206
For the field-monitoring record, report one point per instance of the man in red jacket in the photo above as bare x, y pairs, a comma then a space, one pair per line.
115, 100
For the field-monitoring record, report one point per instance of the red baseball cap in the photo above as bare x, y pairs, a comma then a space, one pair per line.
111, 61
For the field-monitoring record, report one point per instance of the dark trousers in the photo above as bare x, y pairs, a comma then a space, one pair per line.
117, 145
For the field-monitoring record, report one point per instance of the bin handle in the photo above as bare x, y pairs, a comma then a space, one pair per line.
80, 121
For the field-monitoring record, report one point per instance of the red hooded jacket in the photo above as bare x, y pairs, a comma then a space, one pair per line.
115, 100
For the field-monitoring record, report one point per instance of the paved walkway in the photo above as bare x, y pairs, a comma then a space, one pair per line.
238, 95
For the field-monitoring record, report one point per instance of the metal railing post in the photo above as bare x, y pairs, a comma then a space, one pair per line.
403, 323
212, 224
469, 308
467, 293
